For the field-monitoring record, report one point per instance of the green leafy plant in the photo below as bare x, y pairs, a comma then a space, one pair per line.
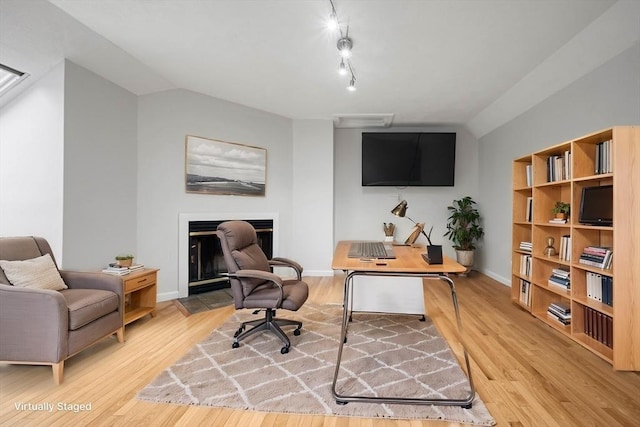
561, 207
123, 257
463, 227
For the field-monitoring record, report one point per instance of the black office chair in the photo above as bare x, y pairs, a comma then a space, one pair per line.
254, 285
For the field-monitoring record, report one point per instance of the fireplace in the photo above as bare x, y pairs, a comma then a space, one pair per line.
206, 262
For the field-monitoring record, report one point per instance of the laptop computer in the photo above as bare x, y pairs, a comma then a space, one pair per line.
373, 249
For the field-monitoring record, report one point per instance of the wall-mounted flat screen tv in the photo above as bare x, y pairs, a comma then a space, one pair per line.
596, 206
403, 159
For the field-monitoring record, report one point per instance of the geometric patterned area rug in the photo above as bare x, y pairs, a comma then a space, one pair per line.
384, 355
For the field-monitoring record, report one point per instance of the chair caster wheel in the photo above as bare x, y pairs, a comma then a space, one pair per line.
284, 350
467, 406
341, 402
235, 345
238, 332
296, 332
345, 340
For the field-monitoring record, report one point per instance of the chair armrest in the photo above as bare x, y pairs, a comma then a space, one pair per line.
263, 275
94, 280
286, 262
34, 325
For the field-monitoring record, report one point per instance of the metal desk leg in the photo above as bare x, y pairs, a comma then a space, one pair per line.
344, 399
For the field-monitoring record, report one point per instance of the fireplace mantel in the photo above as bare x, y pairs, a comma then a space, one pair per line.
183, 238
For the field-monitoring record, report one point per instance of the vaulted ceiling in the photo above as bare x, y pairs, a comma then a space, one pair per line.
476, 63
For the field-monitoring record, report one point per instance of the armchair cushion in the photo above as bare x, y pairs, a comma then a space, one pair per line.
87, 305
36, 273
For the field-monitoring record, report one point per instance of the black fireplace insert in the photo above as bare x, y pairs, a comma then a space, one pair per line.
206, 263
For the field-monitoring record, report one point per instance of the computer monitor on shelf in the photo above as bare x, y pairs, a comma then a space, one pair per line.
596, 205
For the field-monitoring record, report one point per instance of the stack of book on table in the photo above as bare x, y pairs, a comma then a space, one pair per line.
560, 278
118, 270
560, 312
597, 256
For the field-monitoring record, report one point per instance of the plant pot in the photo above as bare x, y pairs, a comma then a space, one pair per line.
465, 258
125, 262
561, 215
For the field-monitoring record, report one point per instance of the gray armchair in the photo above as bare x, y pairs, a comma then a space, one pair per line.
46, 327
254, 285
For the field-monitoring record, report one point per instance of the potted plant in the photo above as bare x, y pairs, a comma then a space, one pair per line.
463, 229
124, 260
561, 210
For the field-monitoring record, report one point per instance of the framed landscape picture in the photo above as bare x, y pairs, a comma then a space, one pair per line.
218, 167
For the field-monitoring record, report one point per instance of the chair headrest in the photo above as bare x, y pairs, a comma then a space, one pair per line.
238, 234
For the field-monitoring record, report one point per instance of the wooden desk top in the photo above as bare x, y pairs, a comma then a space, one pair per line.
408, 260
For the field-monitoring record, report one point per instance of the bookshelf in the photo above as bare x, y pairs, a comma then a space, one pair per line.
604, 303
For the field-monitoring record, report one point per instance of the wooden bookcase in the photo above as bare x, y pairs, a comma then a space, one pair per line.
623, 237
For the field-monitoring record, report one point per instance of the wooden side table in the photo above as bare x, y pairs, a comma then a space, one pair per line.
140, 294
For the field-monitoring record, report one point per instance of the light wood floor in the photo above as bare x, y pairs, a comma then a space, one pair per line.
526, 373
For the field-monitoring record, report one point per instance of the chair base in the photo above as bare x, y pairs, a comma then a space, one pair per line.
269, 323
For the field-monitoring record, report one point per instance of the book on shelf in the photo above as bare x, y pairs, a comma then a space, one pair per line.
560, 278
600, 288
525, 293
559, 167
603, 163
529, 172
565, 248
529, 217
597, 256
525, 265
557, 221
598, 326
560, 312
526, 246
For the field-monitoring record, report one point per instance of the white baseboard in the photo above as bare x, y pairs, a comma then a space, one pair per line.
497, 277
168, 296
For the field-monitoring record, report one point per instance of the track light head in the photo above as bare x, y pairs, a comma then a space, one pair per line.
344, 46
352, 84
332, 23
342, 69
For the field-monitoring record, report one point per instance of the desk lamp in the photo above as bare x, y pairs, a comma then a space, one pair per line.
434, 252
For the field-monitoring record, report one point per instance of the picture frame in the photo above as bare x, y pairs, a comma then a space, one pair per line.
224, 168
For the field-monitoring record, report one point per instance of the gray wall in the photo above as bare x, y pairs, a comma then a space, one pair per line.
100, 161
164, 119
608, 96
361, 211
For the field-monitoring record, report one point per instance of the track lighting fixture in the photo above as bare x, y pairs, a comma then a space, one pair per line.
345, 47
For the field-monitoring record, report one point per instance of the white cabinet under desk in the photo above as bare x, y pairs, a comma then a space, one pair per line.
380, 294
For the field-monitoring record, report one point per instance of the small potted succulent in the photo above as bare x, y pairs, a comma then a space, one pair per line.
124, 260
561, 210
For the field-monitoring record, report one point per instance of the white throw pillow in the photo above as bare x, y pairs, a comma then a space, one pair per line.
36, 273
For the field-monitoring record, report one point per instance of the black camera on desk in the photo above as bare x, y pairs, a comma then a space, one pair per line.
434, 254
